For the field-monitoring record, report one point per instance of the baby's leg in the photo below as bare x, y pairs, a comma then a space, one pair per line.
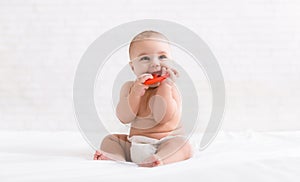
174, 150
114, 147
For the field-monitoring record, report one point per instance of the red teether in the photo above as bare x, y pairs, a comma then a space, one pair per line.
156, 78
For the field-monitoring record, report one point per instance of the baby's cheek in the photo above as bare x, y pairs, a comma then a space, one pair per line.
140, 69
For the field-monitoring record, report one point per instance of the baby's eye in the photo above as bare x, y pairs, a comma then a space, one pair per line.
145, 58
162, 57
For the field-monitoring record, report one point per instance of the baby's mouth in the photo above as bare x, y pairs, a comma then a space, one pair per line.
158, 73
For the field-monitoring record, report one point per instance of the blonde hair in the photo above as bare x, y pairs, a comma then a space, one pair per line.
148, 35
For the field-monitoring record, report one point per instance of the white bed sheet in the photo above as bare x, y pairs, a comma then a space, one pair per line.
65, 156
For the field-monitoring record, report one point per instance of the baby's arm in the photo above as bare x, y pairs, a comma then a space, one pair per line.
123, 110
166, 102
130, 97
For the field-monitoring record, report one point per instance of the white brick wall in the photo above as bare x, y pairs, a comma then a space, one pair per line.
256, 42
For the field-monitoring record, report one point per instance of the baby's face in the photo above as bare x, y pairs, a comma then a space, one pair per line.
148, 55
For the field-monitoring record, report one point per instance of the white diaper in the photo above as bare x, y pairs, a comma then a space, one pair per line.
143, 147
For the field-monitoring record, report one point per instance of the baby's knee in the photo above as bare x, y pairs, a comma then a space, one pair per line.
184, 145
115, 138
111, 138
177, 142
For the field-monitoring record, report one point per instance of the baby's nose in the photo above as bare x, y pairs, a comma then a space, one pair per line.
155, 63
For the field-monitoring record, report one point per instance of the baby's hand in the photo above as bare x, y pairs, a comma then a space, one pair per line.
139, 88
173, 73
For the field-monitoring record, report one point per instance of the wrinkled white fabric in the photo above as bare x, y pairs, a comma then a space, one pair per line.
33, 156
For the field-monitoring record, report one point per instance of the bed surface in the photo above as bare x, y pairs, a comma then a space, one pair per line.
66, 156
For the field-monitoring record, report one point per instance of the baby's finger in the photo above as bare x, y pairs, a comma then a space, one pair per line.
172, 74
143, 79
143, 75
163, 71
175, 72
164, 65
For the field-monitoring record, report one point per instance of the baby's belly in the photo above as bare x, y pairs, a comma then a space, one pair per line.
143, 123
152, 129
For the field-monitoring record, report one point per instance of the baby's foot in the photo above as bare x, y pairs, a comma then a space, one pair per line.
152, 161
100, 156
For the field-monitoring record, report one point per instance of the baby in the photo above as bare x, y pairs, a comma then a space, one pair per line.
153, 111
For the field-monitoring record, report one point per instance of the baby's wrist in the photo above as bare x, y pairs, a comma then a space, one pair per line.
168, 82
135, 93
132, 90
